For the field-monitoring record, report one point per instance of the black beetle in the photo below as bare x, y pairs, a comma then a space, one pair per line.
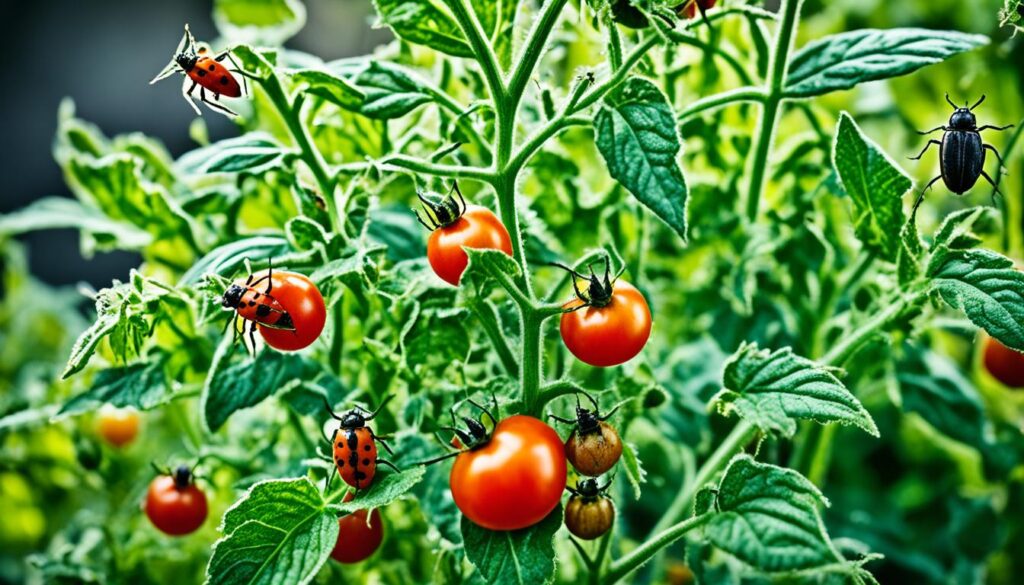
961, 152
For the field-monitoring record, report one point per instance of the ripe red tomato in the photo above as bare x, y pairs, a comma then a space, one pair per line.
118, 426
174, 504
611, 334
1005, 364
357, 538
515, 480
304, 304
690, 9
477, 228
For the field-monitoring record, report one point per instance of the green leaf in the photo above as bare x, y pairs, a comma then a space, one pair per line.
517, 557
876, 186
391, 91
280, 533
229, 258
252, 154
59, 212
250, 382
485, 264
304, 233
767, 517
259, 22
143, 386
774, 389
932, 386
437, 340
424, 22
847, 59
334, 89
986, 287
355, 267
30, 417
386, 488
634, 471
636, 135
258, 62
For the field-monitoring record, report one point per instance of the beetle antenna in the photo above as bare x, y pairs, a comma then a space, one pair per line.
597, 406
561, 419
567, 269
439, 459
329, 409
609, 414
979, 102
483, 410
950, 102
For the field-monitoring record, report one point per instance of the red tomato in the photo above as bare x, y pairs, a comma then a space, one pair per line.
118, 426
297, 294
1005, 364
689, 9
174, 504
357, 538
477, 228
515, 480
608, 335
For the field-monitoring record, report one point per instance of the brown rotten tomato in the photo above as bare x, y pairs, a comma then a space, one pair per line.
594, 446
1005, 364
609, 324
589, 513
174, 504
455, 225
358, 538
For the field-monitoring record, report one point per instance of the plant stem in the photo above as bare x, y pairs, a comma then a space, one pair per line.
485, 312
775, 84
534, 46
849, 344
531, 328
338, 337
644, 552
712, 102
485, 56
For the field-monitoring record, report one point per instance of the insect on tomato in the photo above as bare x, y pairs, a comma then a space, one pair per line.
510, 478
355, 446
594, 446
174, 504
589, 513
609, 324
286, 307
454, 224
118, 426
205, 72
1005, 364
358, 537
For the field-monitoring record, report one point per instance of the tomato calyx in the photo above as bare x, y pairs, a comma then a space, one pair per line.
599, 289
473, 437
183, 475
588, 421
444, 213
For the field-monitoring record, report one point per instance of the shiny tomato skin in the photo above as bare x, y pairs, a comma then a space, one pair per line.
304, 303
609, 335
589, 518
357, 538
1005, 364
515, 480
690, 9
118, 426
175, 512
593, 454
477, 228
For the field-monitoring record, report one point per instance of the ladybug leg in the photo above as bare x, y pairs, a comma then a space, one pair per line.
188, 95
389, 464
924, 150
214, 106
241, 72
382, 443
252, 338
270, 276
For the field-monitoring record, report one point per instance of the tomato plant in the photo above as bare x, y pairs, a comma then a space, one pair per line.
763, 358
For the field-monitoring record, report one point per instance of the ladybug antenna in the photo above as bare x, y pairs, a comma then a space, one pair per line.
330, 410
979, 102
371, 415
950, 102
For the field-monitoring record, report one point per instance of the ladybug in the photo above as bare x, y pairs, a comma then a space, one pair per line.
258, 307
205, 72
355, 446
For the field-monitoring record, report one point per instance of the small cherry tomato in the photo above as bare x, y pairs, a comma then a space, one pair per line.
594, 446
1005, 364
357, 537
609, 324
174, 504
454, 224
589, 513
691, 8
286, 308
118, 426
514, 478
355, 446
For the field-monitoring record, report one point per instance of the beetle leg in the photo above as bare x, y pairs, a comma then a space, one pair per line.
923, 133
188, 95
925, 149
991, 182
920, 198
997, 128
995, 152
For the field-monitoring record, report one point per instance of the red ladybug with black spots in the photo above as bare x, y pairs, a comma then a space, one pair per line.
355, 446
205, 72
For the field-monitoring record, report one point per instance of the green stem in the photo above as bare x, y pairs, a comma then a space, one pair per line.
644, 552
531, 328
296, 423
614, 47
774, 88
338, 338
847, 345
485, 56
719, 100
556, 389
602, 553
533, 48
410, 163
485, 312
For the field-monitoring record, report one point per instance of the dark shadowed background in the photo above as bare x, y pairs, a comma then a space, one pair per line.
102, 54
